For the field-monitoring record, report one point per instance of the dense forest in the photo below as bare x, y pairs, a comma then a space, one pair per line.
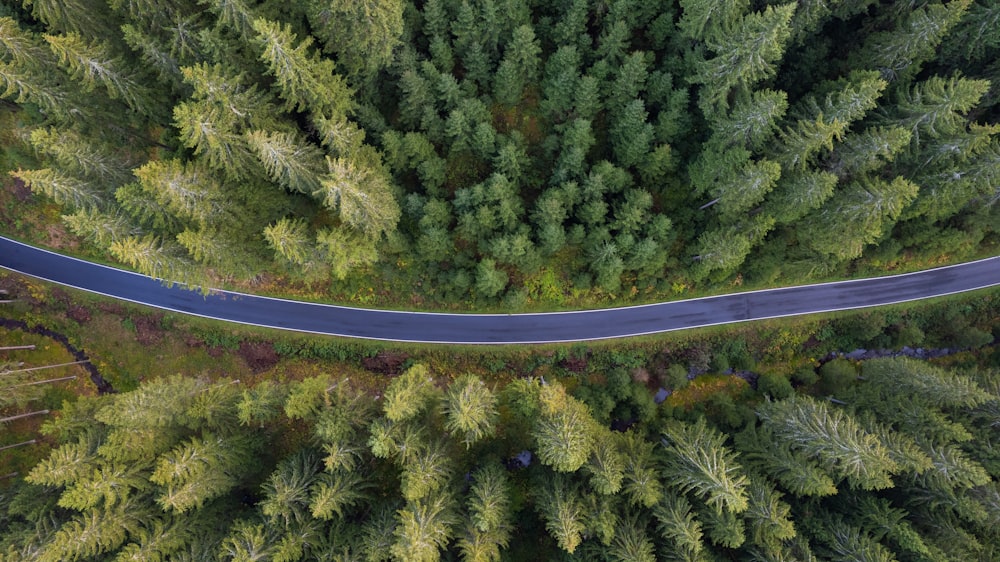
501, 149
894, 462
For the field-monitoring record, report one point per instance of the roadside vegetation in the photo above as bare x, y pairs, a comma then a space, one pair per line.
504, 155
292, 447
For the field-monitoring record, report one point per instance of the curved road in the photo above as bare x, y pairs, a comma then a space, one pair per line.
430, 327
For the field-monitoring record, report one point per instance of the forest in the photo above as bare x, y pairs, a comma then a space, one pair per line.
508, 151
889, 461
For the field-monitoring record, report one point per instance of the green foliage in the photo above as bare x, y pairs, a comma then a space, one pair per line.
699, 462
831, 437
158, 483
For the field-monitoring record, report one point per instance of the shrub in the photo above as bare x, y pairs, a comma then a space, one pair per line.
774, 385
836, 376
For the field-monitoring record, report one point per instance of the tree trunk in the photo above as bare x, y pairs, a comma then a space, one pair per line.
13, 347
39, 382
31, 442
44, 367
19, 416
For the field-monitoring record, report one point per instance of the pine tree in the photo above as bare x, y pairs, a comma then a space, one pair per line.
698, 461
362, 34
898, 54
833, 438
744, 55
292, 241
937, 106
606, 465
222, 108
564, 431
857, 216
724, 249
631, 544
800, 476
23, 85
519, 67
248, 542
345, 250
409, 394
631, 134
81, 156
865, 152
470, 408
703, 20
64, 189
798, 193
101, 228
752, 122
745, 187
489, 501
88, 18
559, 504
189, 192
93, 64
361, 193
424, 529
201, 469
678, 526
287, 491
305, 80
767, 516
824, 123
289, 161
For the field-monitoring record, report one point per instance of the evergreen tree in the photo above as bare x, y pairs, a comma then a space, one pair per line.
361, 34
697, 461
744, 55
93, 64
470, 409
898, 54
306, 81
564, 431
833, 438
63, 189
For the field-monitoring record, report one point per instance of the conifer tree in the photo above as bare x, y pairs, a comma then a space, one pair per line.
744, 55
564, 432
698, 461
361, 34
833, 438
559, 504
291, 162
305, 80
64, 189
898, 54
425, 527
471, 409
93, 64
857, 216
82, 156
519, 66
361, 193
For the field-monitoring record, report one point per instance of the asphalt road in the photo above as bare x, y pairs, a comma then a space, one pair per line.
498, 328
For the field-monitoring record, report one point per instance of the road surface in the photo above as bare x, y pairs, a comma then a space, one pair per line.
428, 327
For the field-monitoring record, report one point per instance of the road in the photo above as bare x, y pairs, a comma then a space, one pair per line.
427, 327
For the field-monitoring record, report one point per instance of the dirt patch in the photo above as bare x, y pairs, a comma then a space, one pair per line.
148, 330
574, 364
20, 190
80, 314
57, 294
387, 363
57, 237
259, 356
111, 308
